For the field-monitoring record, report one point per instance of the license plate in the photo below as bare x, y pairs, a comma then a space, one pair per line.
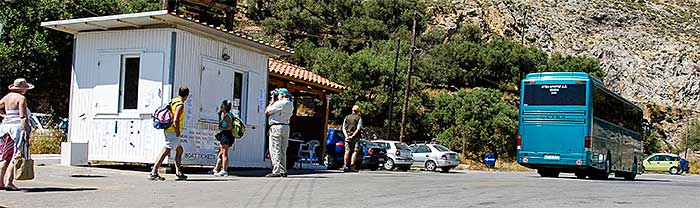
551, 157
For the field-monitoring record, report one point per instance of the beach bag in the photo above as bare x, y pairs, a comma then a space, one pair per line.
238, 128
24, 167
163, 117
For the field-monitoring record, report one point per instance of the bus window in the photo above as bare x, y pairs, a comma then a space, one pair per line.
554, 94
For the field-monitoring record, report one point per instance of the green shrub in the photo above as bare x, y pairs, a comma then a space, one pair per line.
476, 122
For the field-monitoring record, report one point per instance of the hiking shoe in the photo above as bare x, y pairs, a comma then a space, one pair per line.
221, 173
180, 177
346, 169
273, 175
155, 177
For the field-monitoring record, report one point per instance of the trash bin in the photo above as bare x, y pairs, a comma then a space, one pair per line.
490, 160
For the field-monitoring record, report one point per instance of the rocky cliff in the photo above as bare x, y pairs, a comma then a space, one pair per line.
650, 49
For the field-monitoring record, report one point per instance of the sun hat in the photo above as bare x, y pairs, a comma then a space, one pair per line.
20, 84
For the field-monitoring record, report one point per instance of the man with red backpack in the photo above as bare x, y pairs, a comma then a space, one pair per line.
172, 136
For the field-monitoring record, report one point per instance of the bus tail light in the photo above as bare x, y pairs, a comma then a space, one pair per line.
520, 141
587, 143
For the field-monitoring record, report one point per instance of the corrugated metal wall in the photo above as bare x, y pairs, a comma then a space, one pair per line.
191, 50
111, 137
131, 138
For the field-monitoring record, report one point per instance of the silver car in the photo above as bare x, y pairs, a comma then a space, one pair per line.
398, 154
434, 156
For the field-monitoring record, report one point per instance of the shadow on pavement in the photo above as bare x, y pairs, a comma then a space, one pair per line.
611, 179
55, 189
87, 176
210, 179
240, 172
293, 173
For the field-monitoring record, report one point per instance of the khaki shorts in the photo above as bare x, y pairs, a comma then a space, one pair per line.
171, 140
352, 145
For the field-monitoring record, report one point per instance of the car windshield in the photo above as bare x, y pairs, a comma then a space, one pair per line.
402, 146
441, 148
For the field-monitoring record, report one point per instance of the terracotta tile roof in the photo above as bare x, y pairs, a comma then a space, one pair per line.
301, 73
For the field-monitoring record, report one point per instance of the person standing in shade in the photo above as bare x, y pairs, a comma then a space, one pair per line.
279, 112
172, 137
352, 126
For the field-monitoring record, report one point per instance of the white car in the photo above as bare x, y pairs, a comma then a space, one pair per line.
398, 154
434, 156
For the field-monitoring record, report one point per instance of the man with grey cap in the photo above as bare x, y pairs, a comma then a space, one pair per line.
279, 112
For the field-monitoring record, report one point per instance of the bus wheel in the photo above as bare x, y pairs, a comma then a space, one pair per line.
548, 173
602, 175
580, 175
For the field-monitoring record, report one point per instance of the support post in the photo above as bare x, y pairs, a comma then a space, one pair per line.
391, 91
408, 81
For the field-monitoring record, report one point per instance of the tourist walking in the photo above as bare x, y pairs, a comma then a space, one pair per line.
14, 130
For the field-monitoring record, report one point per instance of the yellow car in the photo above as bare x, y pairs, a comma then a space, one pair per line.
662, 162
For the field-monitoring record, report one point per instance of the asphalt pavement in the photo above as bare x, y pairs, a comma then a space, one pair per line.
61, 186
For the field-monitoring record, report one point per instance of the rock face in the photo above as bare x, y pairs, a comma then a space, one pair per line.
650, 49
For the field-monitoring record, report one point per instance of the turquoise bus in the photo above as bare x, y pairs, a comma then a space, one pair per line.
569, 122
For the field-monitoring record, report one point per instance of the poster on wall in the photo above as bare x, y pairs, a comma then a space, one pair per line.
199, 145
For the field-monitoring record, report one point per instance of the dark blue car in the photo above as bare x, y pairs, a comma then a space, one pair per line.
371, 157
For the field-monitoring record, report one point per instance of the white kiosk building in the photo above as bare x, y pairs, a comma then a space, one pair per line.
126, 66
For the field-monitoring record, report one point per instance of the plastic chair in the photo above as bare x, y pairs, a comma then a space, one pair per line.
307, 152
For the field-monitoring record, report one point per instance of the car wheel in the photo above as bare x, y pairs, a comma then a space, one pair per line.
430, 165
389, 165
329, 161
674, 171
580, 175
445, 169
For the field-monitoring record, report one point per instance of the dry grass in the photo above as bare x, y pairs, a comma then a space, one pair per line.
46, 142
500, 166
695, 167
